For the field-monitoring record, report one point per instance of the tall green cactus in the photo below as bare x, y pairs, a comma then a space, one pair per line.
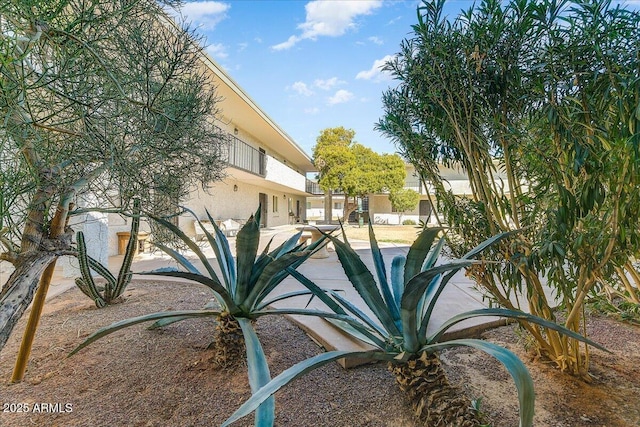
102, 296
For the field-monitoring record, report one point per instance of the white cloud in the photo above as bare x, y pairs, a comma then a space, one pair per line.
340, 97
206, 14
312, 111
329, 18
217, 51
375, 73
375, 40
286, 45
327, 84
301, 88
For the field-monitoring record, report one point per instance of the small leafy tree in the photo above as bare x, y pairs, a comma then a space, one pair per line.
537, 103
106, 98
354, 169
403, 199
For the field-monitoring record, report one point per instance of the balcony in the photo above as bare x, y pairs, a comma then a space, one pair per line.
415, 185
313, 187
243, 156
279, 173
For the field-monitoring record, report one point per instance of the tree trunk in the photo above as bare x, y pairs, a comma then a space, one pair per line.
434, 400
348, 208
18, 292
229, 348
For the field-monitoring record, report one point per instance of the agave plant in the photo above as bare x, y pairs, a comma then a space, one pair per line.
241, 293
402, 305
114, 287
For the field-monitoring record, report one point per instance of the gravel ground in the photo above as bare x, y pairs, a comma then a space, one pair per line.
138, 377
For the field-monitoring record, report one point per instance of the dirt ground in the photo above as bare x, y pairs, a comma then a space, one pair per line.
138, 377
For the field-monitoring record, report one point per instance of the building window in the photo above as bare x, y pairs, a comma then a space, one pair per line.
337, 205
308, 205
274, 203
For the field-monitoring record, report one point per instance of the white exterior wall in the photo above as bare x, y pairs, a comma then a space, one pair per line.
380, 211
282, 174
223, 202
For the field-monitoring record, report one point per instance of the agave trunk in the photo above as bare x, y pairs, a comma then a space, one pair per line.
435, 401
229, 346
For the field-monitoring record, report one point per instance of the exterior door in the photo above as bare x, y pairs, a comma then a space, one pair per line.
263, 209
425, 210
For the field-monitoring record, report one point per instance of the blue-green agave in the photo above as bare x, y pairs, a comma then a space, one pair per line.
241, 290
402, 305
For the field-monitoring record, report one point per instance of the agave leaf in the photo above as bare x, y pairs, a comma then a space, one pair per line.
381, 272
247, 241
219, 290
473, 252
270, 277
364, 283
181, 259
220, 246
360, 314
411, 297
306, 312
291, 374
285, 272
283, 297
317, 291
210, 305
168, 321
510, 314
418, 252
397, 278
289, 245
140, 319
360, 333
424, 316
261, 262
186, 240
515, 367
432, 258
490, 241
416, 287
259, 375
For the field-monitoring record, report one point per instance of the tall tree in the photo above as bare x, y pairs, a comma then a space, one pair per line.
99, 97
354, 169
404, 199
537, 102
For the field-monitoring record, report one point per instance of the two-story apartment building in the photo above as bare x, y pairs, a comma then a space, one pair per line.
265, 167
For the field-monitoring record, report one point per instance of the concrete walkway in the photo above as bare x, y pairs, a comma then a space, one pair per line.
458, 297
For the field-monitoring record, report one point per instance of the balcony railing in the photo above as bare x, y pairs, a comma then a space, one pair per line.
313, 187
414, 185
243, 156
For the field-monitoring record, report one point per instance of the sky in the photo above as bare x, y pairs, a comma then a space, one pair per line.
311, 65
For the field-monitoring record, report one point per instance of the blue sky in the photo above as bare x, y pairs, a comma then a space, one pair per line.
311, 64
